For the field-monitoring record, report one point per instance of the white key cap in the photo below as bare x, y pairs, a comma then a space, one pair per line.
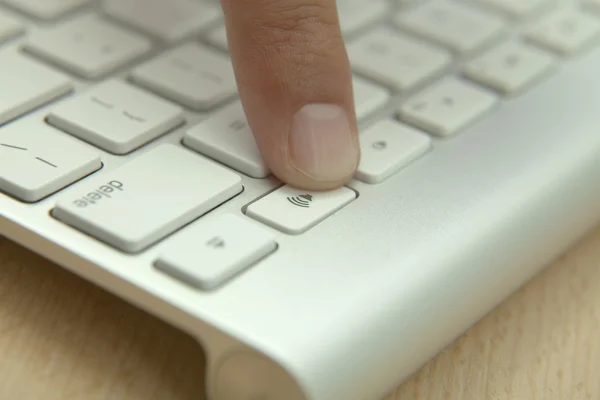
387, 147
368, 97
293, 211
515, 8
218, 37
148, 198
116, 117
395, 59
88, 46
355, 15
46, 9
461, 27
37, 160
447, 107
226, 137
206, 255
170, 20
192, 75
26, 85
9, 27
566, 31
510, 67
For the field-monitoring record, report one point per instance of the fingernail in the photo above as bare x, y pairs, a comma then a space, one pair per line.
322, 144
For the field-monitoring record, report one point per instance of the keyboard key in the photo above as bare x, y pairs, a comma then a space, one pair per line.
46, 9
205, 256
227, 138
116, 117
510, 67
192, 75
368, 97
447, 107
148, 198
37, 160
356, 15
515, 8
566, 31
293, 211
395, 59
460, 27
88, 46
27, 85
218, 37
387, 147
170, 20
9, 27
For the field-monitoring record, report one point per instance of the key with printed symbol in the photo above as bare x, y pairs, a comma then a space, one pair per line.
453, 24
387, 147
9, 27
566, 31
206, 255
295, 212
192, 75
27, 84
46, 9
159, 192
36, 160
510, 67
395, 59
116, 116
226, 137
167, 20
447, 107
88, 46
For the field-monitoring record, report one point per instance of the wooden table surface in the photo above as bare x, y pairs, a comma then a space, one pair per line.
62, 338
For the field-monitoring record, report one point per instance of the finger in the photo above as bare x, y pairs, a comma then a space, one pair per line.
295, 84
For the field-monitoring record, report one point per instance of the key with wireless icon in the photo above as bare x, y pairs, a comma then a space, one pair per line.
294, 212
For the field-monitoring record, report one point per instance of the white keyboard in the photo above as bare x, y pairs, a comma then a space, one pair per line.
125, 129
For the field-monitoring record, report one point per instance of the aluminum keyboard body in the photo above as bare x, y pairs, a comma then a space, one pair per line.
354, 305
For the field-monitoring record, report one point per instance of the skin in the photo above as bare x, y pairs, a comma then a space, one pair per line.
288, 56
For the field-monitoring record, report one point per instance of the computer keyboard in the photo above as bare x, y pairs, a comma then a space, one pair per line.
125, 154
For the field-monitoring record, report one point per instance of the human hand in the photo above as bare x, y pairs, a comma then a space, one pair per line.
295, 83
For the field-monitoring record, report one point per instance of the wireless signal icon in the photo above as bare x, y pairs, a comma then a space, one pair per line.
301, 201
